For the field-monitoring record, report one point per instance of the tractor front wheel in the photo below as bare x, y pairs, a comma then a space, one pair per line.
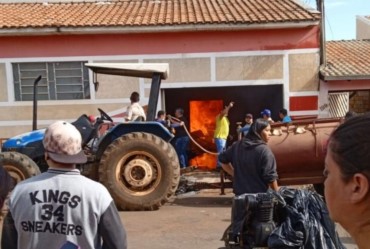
140, 170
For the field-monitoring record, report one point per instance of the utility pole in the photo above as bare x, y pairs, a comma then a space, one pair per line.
321, 7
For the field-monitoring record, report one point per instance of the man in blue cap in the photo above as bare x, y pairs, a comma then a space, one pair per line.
266, 115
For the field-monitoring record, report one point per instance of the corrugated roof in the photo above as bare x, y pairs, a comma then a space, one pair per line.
149, 13
347, 59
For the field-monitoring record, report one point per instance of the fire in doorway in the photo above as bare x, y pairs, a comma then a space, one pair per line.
202, 125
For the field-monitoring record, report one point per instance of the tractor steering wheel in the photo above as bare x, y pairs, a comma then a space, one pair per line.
104, 115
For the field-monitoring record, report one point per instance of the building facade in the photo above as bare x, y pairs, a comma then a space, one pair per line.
261, 55
345, 78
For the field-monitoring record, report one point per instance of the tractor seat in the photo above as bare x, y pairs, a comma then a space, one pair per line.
85, 127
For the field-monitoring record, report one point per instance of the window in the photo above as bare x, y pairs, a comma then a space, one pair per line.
60, 80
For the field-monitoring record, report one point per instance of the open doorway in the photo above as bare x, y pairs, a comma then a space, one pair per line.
202, 105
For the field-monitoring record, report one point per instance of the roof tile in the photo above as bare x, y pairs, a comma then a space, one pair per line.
347, 58
151, 13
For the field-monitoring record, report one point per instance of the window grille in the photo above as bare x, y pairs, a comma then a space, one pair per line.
338, 104
60, 80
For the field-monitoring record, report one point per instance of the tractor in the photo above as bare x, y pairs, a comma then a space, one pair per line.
134, 160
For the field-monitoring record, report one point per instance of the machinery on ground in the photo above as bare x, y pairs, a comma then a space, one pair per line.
252, 220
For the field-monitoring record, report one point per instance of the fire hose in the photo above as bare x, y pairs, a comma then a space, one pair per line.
176, 120
223, 174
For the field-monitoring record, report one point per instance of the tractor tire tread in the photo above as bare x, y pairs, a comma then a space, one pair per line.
106, 170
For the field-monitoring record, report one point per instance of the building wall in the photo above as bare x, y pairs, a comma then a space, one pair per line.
18, 119
158, 43
304, 81
3, 84
184, 70
207, 59
303, 72
362, 28
360, 101
116, 87
254, 67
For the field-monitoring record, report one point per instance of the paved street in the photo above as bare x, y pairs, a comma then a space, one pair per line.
195, 221
192, 221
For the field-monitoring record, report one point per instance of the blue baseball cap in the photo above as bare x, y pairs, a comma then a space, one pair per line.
266, 112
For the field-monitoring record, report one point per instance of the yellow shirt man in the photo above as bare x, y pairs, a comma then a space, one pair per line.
222, 131
222, 127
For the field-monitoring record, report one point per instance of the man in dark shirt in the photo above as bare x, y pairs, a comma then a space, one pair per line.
181, 137
283, 114
161, 118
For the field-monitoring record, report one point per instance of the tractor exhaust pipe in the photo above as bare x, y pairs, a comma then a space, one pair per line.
34, 119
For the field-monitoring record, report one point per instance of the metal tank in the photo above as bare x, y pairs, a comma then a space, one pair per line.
299, 148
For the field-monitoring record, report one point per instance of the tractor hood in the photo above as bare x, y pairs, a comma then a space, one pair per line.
24, 139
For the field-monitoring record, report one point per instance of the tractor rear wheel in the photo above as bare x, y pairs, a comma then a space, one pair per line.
140, 170
19, 166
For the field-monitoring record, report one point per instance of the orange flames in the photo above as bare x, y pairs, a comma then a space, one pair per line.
202, 126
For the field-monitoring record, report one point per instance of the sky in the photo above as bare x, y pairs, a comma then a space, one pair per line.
340, 16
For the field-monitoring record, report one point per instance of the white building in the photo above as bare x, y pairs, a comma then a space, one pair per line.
362, 27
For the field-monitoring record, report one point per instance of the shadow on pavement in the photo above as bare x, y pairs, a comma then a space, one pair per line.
202, 201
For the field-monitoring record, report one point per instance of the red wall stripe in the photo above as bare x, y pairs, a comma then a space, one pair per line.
303, 103
158, 43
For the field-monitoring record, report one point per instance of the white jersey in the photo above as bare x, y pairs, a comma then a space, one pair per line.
59, 206
134, 111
